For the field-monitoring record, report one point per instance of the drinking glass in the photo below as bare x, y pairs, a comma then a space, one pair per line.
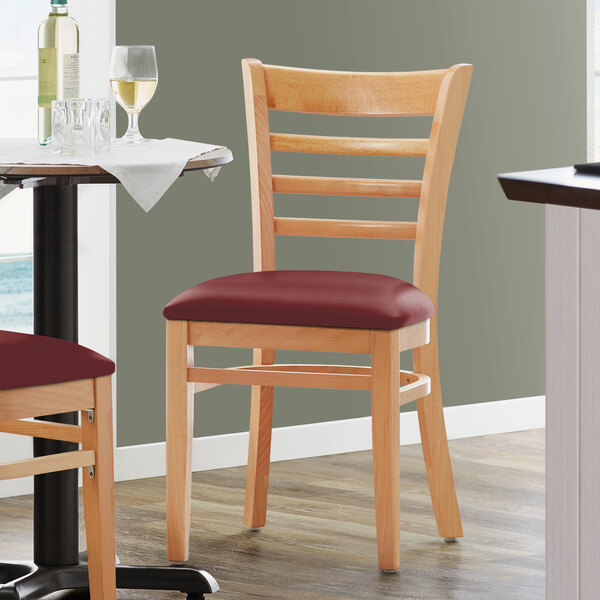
80, 126
133, 80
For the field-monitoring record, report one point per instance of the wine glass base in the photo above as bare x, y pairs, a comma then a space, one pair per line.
125, 140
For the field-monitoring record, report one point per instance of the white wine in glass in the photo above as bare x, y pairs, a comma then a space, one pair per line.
133, 80
133, 94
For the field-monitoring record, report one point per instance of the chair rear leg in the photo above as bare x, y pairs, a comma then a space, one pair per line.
180, 433
385, 401
98, 494
259, 448
435, 443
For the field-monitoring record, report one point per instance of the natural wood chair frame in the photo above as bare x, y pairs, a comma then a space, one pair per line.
439, 93
93, 398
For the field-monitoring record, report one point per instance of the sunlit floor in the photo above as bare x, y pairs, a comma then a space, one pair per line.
320, 536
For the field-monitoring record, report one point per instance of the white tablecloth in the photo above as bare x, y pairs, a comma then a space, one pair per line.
146, 170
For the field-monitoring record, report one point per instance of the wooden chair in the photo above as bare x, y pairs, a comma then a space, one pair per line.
327, 311
44, 376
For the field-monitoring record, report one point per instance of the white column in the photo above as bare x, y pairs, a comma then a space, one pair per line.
97, 205
562, 403
573, 403
589, 405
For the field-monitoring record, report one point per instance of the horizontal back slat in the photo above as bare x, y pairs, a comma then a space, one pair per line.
322, 144
383, 230
352, 93
344, 186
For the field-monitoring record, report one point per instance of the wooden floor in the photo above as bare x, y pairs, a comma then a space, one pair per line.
319, 542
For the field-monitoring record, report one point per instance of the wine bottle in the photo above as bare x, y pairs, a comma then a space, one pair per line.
58, 48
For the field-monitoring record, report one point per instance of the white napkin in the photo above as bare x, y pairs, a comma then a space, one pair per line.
146, 170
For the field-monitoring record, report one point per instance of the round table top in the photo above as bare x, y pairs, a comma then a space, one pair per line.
33, 175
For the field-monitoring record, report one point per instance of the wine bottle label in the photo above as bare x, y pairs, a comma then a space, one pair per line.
47, 77
71, 76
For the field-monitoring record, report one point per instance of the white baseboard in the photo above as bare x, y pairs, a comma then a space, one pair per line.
319, 439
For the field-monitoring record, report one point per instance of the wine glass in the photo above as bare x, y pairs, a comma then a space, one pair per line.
133, 80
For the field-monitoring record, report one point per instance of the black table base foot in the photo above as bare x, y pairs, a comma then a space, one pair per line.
26, 581
187, 580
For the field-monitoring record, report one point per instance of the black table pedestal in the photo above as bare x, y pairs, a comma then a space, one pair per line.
57, 563
55, 285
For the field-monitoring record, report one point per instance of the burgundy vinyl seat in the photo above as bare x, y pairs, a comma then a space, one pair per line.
313, 298
29, 360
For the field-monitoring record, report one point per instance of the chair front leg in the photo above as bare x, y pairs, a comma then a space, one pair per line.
385, 402
180, 433
435, 442
98, 494
259, 448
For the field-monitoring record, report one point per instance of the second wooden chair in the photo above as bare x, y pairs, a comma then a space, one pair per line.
42, 376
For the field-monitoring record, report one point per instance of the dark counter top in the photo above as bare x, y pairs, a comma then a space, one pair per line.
562, 186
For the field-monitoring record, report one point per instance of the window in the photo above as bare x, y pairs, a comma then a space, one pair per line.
18, 118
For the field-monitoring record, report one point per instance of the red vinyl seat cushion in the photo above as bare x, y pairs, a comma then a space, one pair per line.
30, 360
313, 298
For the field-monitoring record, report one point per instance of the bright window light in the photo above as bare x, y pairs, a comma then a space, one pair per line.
18, 119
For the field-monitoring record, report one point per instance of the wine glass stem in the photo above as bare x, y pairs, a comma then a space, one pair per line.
133, 133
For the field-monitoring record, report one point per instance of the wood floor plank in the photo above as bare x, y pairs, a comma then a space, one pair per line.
319, 542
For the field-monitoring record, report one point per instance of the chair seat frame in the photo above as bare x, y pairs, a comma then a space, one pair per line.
390, 388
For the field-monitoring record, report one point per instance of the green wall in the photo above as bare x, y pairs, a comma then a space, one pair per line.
526, 110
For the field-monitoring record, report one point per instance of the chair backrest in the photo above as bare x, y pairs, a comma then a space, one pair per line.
441, 93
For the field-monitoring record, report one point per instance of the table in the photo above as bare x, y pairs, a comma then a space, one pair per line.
572, 374
57, 563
